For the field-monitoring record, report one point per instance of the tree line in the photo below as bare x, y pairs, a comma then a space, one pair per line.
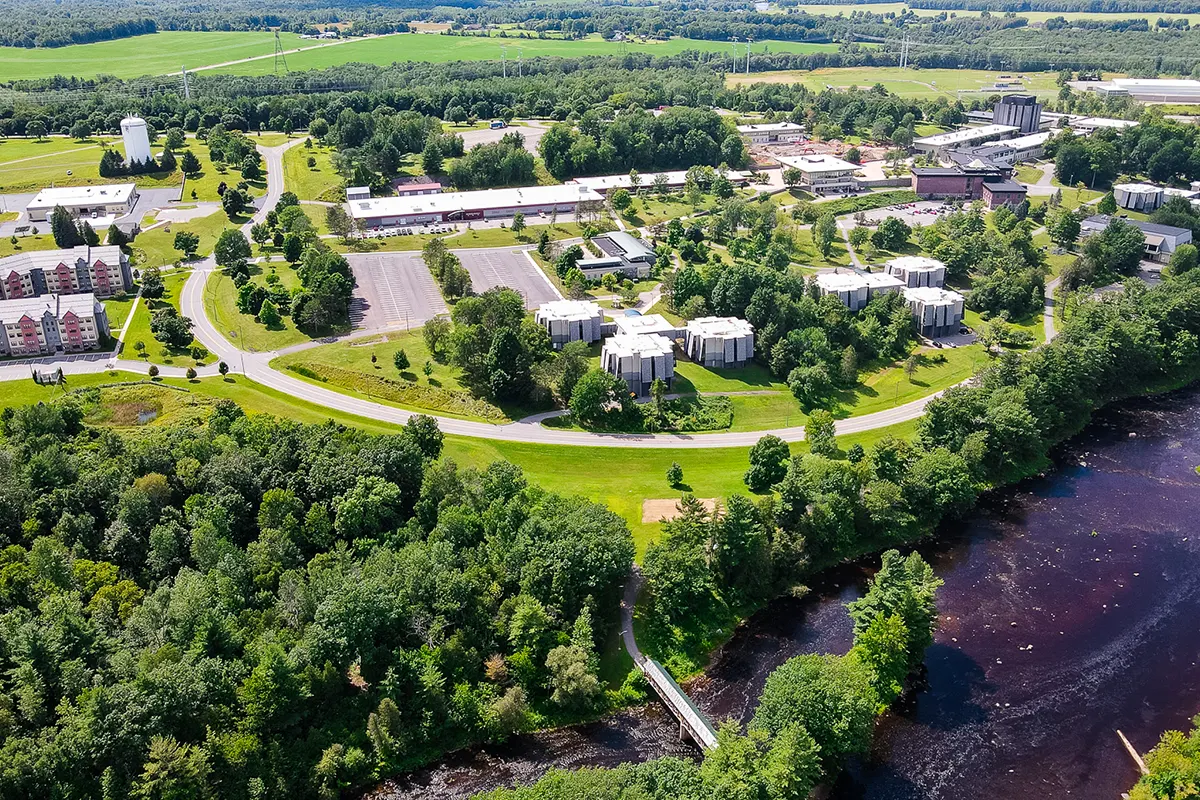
243, 607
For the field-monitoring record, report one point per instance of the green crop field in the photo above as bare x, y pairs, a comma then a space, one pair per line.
433, 47
915, 83
152, 54
1032, 16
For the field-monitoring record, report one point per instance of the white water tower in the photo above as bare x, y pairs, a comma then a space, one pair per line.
137, 140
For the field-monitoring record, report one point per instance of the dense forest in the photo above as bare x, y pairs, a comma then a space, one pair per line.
251, 608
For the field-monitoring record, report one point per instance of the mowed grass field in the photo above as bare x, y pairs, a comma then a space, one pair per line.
434, 47
915, 83
1032, 16
152, 54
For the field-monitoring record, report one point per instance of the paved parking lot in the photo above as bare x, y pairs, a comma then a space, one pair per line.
922, 212
394, 290
508, 267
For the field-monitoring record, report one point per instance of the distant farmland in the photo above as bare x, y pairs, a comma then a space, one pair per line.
433, 47
152, 54
160, 53
1032, 16
914, 83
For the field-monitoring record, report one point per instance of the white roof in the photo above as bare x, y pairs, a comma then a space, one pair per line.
881, 280
818, 163
357, 190
638, 344
720, 328
50, 259
916, 263
1138, 188
1029, 140
932, 296
471, 201
569, 310
1156, 83
841, 281
1102, 122
646, 179
1186, 194
649, 323
69, 196
84, 305
770, 127
965, 135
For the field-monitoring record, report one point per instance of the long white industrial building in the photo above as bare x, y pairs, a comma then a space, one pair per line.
381, 212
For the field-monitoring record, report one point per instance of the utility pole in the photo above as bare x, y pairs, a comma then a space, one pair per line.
520, 56
749, 42
280, 58
504, 59
187, 91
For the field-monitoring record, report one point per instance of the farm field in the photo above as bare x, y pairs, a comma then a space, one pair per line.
426, 47
151, 54
1032, 16
916, 83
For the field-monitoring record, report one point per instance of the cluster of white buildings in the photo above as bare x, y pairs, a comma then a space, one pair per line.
936, 311
103, 271
51, 323
641, 349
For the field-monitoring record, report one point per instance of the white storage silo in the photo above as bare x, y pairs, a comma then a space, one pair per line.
137, 140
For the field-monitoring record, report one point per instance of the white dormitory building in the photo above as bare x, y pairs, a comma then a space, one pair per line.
915, 271
621, 253
383, 212
103, 271
936, 312
51, 323
570, 321
639, 359
646, 181
98, 203
940, 144
823, 173
1144, 197
771, 132
855, 289
719, 341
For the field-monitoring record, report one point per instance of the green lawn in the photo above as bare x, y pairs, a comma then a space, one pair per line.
151, 54
25, 244
346, 367
220, 304
806, 252
118, 311
27, 165
908, 82
651, 209
139, 326
321, 182
1028, 173
157, 247
426, 47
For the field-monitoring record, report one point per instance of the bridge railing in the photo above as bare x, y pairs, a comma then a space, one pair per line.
674, 696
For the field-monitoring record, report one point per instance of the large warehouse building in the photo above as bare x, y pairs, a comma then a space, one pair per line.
97, 203
383, 212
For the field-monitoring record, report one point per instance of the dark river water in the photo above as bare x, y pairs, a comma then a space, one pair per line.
1071, 609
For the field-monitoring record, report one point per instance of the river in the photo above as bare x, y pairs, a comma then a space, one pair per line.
1071, 609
